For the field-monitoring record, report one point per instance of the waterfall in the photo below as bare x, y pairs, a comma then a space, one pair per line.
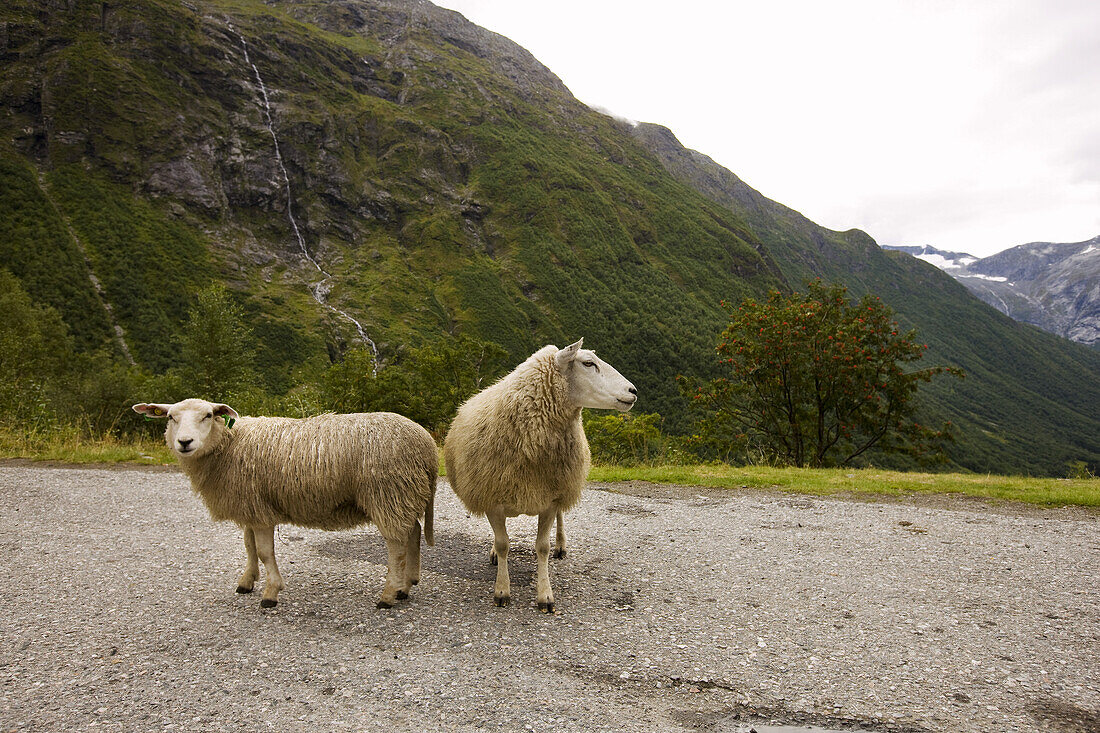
320, 289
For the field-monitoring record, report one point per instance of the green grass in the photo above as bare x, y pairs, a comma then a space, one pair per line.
867, 482
69, 446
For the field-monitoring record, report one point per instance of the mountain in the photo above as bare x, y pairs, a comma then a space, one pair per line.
1053, 286
373, 173
384, 173
1016, 374
941, 258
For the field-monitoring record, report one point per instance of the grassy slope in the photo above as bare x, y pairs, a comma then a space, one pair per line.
1031, 401
36, 247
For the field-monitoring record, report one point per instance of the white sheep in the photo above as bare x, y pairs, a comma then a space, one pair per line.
327, 472
518, 447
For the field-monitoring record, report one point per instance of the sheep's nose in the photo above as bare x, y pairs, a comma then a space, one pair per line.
185, 442
633, 391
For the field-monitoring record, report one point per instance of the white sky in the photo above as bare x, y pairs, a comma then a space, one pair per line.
969, 125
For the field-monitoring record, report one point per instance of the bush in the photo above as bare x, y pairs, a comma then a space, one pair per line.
626, 438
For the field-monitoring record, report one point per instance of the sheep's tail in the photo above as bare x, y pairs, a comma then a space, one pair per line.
429, 518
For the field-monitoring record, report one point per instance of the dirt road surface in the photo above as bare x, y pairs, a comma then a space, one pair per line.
678, 609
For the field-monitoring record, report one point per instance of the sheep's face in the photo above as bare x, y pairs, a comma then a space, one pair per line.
592, 381
194, 428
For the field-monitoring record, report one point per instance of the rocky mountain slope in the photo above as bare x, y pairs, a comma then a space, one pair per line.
1053, 286
360, 173
382, 173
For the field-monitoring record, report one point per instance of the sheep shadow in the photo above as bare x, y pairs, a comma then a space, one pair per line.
454, 554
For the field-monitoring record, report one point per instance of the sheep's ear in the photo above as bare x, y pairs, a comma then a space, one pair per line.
151, 410
223, 410
565, 356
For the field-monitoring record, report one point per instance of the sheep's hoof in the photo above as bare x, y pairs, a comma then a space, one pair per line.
546, 607
502, 600
559, 553
268, 603
401, 595
492, 558
384, 604
243, 589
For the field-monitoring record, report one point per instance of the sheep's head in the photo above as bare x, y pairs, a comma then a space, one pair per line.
592, 381
194, 428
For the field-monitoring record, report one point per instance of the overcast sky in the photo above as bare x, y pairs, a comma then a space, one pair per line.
969, 125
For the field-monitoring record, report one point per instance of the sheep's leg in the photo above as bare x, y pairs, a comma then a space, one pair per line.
412, 561
542, 556
503, 591
252, 567
265, 549
559, 546
397, 582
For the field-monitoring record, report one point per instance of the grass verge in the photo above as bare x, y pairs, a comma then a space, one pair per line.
69, 446
864, 482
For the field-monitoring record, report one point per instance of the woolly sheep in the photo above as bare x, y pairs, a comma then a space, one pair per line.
518, 447
326, 472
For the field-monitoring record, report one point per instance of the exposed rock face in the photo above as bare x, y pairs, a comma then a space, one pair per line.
1053, 286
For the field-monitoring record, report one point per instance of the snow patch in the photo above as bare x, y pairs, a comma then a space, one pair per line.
942, 262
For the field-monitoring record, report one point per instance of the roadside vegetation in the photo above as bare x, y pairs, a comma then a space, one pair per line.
60, 404
863, 482
866, 483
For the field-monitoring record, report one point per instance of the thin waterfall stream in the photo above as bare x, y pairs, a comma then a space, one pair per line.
321, 288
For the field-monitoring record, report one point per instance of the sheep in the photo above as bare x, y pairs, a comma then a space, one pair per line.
326, 472
518, 447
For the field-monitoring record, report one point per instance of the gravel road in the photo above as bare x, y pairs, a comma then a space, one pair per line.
678, 609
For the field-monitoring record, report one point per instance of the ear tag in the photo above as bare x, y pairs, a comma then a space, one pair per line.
229, 421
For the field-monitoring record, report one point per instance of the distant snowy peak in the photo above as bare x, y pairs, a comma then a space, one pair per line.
1054, 286
940, 258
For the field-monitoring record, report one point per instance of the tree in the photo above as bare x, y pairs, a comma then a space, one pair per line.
35, 353
426, 384
446, 373
815, 380
217, 351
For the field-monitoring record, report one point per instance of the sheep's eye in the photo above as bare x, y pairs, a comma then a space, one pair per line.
171, 418
589, 364
207, 416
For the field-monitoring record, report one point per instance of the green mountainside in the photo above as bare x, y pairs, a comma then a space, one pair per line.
385, 165
1019, 378
445, 180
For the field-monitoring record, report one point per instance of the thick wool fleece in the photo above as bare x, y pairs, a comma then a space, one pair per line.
519, 443
328, 472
